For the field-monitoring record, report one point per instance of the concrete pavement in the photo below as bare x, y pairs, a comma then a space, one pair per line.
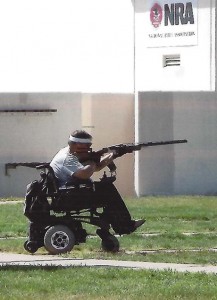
11, 259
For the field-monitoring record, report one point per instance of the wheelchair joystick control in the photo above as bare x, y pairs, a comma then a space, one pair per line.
106, 179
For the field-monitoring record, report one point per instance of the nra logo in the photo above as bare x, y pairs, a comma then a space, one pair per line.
156, 15
172, 14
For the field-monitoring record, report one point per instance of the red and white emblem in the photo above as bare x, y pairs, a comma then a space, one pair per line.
156, 15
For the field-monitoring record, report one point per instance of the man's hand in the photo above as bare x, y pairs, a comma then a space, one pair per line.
105, 160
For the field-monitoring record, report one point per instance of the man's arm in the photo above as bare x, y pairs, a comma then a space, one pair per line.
86, 171
90, 167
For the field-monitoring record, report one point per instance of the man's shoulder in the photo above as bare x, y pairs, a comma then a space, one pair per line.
62, 153
65, 154
64, 150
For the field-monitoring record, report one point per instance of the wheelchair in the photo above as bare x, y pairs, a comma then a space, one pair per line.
56, 226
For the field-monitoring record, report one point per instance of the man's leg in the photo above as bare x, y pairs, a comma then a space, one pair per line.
104, 195
115, 209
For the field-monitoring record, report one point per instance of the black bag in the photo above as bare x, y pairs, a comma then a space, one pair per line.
36, 205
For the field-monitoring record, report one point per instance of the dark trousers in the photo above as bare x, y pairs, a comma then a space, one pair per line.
103, 195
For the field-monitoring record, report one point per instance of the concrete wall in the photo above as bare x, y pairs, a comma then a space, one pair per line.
31, 136
197, 53
176, 102
37, 136
82, 52
90, 49
178, 169
110, 119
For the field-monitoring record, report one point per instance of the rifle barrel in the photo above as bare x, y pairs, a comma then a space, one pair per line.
148, 144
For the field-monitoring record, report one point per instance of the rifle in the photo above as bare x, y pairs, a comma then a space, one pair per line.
121, 149
118, 150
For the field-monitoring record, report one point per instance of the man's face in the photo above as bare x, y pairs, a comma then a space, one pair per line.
80, 149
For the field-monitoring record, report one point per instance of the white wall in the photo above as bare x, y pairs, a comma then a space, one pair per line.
197, 70
109, 118
66, 46
176, 103
37, 136
52, 52
183, 168
72, 47
31, 136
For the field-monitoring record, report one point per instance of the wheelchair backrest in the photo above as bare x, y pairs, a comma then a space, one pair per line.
36, 205
50, 181
52, 185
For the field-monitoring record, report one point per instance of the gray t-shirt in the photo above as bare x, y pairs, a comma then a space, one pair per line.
64, 165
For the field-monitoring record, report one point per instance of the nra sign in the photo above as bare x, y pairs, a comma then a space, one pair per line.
171, 23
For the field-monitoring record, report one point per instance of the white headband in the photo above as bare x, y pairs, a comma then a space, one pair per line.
79, 140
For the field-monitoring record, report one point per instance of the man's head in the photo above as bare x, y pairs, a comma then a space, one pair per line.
80, 141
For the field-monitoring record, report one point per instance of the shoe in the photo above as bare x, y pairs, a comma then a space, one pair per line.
137, 224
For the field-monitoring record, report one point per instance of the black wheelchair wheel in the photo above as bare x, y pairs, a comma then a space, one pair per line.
30, 246
110, 244
59, 239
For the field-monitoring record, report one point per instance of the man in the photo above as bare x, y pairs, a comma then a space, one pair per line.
71, 165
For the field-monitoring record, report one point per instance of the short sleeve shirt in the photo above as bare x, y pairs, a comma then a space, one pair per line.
65, 164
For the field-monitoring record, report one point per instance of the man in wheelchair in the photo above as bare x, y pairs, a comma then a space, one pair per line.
69, 166
68, 183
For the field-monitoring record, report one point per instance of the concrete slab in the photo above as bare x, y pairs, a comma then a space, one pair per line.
11, 259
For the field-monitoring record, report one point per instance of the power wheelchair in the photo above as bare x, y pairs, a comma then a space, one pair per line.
55, 225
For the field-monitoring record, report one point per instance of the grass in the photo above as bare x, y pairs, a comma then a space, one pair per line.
103, 283
167, 217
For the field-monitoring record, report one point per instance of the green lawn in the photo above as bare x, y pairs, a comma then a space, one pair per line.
103, 283
170, 222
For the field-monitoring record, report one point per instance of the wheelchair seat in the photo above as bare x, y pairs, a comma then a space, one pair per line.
67, 198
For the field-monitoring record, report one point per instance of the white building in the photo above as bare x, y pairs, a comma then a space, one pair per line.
121, 69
